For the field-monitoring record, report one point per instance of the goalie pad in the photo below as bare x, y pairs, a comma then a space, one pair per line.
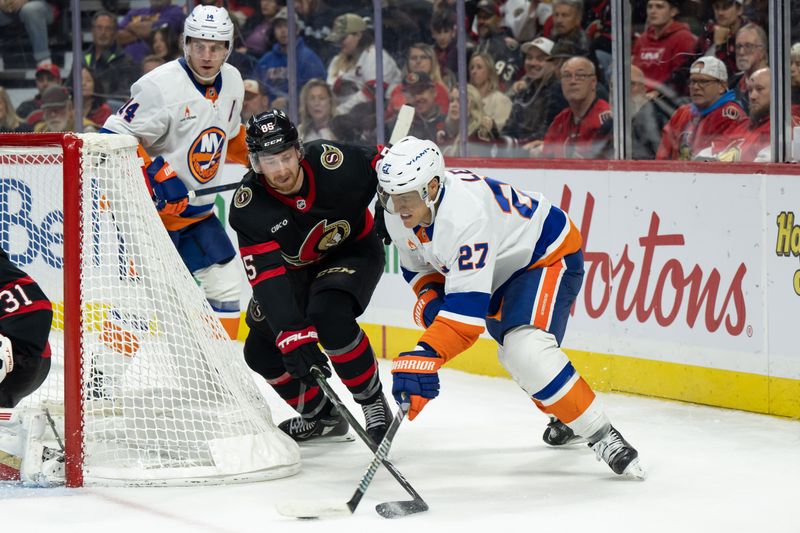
6, 357
22, 449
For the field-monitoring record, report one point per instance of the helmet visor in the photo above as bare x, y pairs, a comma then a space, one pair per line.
395, 203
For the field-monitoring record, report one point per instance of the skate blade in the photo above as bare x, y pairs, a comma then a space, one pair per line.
325, 439
635, 470
313, 509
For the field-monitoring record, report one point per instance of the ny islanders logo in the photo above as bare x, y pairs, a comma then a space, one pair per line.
205, 154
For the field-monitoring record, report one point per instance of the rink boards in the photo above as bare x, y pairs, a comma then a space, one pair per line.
692, 286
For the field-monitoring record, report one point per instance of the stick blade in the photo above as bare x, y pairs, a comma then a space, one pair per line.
403, 123
400, 509
312, 509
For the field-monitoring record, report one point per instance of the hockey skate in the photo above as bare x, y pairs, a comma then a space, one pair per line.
618, 454
332, 427
377, 416
558, 433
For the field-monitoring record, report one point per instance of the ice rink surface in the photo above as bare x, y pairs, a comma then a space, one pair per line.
475, 455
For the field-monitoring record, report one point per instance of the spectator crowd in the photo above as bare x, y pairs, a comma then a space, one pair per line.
538, 72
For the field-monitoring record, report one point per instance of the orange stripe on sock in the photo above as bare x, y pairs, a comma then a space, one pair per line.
573, 404
547, 296
231, 326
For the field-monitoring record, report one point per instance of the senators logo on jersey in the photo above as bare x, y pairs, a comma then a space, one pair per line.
205, 154
319, 240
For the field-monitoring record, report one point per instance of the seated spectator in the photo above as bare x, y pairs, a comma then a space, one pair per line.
150, 62
35, 15
137, 26
719, 35
443, 29
710, 118
484, 77
356, 127
164, 43
795, 80
428, 118
650, 115
272, 69
59, 113
497, 45
533, 106
318, 20
400, 29
582, 131
9, 120
351, 73
482, 134
114, 70
317, 109
255, 101
567, 18
95, 108
257, 30
420, 58
664, 47
46, 76
751, 55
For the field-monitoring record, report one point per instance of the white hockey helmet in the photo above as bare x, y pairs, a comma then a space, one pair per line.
408, 166
208, 22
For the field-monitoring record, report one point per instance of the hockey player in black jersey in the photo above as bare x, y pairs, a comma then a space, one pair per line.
312, 257
25, 317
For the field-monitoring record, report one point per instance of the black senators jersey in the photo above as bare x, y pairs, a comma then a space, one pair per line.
279, 233
25, 312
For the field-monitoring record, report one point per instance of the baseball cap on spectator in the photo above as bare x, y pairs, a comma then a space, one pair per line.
417, 81
710, 66
489, 6
344, 25
542, 43
51, 69
563, 50
55, 97
251, 86
283, 14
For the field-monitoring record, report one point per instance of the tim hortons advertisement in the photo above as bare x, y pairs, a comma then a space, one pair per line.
783, 274
674, 265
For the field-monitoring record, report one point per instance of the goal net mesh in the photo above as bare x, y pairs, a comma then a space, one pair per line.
166, 396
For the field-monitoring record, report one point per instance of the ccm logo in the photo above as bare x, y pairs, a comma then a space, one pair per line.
279, 225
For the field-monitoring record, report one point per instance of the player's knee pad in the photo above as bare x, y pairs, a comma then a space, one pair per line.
332, 313
221, 284
532, 357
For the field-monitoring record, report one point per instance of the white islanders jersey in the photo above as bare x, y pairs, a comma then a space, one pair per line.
484, 232
188, 124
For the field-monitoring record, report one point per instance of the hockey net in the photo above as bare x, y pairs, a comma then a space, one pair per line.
148, 386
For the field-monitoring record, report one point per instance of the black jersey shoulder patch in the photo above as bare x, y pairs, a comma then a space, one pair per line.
331, 157
243, 196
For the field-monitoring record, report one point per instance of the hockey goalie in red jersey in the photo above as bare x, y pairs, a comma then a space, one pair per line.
25, 318
482, 254
312, 257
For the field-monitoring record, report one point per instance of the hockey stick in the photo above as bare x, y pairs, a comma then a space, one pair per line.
387, 510
214, 190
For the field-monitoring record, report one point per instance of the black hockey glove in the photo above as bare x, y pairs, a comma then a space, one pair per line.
380, 223
300, 353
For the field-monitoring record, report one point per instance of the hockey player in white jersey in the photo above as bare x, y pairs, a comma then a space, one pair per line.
480, 253
186, 115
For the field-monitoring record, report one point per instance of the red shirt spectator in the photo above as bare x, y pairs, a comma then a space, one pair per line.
665, 46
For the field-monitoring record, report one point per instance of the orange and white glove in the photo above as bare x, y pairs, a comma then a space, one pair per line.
169, 193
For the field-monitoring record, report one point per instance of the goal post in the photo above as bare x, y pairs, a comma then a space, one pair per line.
147, 385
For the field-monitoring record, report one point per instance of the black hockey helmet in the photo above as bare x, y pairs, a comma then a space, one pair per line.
271, 132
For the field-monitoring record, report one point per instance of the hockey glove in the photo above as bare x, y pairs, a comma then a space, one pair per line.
416, 374
380, 224
300, 353
169, 192
428, 304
